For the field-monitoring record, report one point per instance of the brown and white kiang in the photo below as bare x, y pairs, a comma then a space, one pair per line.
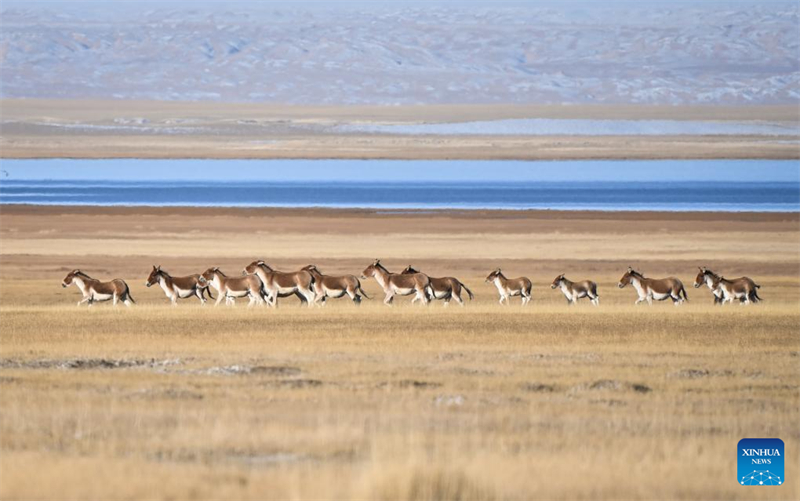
743, 288
576, 290
510, 287
233, 287
95, 291
179, 287
445, 288
282, 284
649, 289
333, 286
397, 284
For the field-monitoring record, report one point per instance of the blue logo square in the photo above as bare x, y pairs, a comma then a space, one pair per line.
760, 461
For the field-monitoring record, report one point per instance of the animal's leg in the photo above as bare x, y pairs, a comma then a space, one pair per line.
388, 299
86, 299
258, 297
309, 295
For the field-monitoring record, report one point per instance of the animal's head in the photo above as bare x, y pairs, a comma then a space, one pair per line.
372, 269
409, 270
153, 277
251, 268
701, 277
70, 277
496, 273
628, 277
210, 273
557, 281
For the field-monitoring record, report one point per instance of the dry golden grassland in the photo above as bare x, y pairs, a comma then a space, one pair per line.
371, 402
41, 128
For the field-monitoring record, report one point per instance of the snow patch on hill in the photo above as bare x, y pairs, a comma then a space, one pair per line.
624, 53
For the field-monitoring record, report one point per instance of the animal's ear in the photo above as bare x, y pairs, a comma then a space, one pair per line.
377, 262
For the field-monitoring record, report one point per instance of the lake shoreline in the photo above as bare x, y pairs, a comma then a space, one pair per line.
334, 212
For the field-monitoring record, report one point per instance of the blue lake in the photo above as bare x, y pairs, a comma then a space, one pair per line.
367, 184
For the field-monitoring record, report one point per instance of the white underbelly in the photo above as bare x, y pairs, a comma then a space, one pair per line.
660, 296
232, 293
185, 293
334, 293
404, 291
101, 297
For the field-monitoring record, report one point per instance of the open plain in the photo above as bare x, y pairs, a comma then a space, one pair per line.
372, 402
53, 128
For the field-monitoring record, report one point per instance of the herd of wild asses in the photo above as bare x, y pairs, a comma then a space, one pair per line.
264, 285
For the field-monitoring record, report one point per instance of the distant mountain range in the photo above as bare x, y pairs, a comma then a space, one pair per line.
412, 55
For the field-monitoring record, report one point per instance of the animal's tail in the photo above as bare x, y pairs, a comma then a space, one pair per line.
130, 297
683, 291
208, 289
429, 292
469, 292
755, 293
362, 291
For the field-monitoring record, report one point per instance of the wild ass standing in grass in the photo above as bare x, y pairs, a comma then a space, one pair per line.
509, 287
743, 288
446, 288
179, 287
652, 288
576, 290
95, 291
233, 287
396, 284
335, 286
282, 284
